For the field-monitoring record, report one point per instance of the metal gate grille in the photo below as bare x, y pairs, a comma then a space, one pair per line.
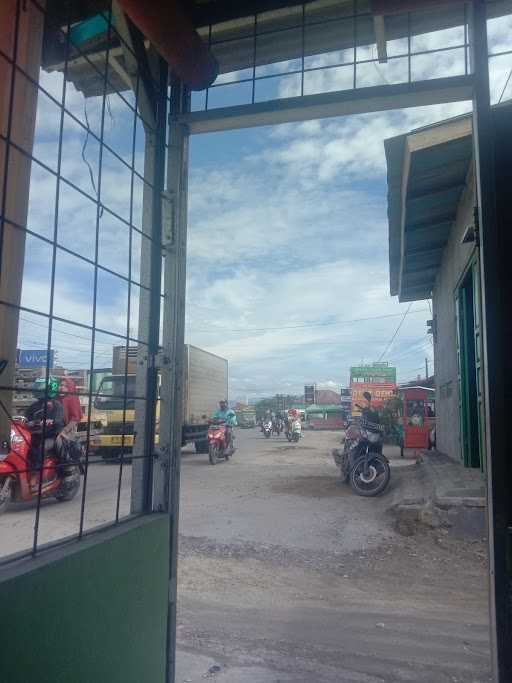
82, 173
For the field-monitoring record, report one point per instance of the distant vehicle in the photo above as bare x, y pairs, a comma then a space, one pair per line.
277, 426
267, 429
361, 461
294, 431
205, 381
246, 418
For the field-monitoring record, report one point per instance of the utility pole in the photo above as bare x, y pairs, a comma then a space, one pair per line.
426, 368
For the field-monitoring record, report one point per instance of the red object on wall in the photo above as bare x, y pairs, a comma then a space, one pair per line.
416, 417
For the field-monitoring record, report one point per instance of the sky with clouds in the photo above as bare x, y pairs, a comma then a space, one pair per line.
287, 252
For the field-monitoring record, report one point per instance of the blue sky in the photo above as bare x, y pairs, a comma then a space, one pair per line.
287, 237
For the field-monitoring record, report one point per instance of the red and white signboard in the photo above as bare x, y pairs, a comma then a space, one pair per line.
380, 391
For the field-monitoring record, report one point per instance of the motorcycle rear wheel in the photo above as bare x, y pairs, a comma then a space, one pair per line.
377, 479
6, 500
213, 454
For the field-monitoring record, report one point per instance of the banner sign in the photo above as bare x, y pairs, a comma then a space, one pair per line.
377, 372
380, 392
33, 358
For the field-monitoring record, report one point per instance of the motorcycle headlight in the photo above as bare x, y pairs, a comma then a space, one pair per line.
16, 442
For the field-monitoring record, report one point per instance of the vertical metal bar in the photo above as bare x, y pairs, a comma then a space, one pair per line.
10, 348
465, 38
95, 281
409, 64
354, 36
174, 333
254, 54
155, 283
52, 294
9, 129
495, 356
128, 312
303, 46
209, 48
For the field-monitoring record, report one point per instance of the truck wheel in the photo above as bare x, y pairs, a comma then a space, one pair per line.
201, 446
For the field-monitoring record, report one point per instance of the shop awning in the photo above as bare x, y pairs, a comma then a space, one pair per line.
427, 172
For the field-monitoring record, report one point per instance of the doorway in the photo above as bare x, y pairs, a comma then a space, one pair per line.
469, 367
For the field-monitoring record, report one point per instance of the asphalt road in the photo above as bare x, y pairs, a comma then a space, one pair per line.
58, 520
285, 575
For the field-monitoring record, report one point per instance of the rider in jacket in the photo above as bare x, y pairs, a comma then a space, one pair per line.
225, 413
48, 407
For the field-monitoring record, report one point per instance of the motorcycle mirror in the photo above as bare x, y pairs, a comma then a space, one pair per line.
367, 396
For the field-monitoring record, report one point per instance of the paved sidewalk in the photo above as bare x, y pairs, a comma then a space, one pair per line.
441, 493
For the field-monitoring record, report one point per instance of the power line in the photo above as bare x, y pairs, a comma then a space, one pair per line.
395, 333
304, 325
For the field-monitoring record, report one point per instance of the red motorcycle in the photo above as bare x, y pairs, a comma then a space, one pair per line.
20, 478
218, 446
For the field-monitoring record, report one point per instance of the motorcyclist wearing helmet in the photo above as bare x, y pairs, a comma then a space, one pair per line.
46, 406
225, 413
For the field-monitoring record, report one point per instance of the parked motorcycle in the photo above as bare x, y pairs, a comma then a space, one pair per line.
361, 461
218, 447
294, 431
267, 429
20, 478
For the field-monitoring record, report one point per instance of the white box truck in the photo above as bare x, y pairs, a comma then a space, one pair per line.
205, 383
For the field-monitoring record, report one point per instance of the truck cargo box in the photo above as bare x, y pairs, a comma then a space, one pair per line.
205, 384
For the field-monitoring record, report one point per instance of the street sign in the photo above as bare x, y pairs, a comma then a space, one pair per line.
33, 358
309, 394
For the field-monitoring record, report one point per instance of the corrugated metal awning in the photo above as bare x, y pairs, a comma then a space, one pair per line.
427, 172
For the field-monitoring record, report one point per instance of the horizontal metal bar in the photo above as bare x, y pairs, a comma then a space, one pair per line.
71, 252
75, 323
341, 103
337, 65
78, 189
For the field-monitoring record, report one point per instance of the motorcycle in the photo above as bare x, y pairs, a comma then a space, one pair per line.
267, 429
362, 462
277, 427
21, 480
218, 446
294, 431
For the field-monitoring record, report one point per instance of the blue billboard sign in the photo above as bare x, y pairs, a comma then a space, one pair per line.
33, 358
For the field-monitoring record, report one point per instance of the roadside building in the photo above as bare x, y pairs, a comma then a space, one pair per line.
434, 254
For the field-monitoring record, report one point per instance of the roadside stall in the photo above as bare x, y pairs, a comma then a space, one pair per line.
418, 417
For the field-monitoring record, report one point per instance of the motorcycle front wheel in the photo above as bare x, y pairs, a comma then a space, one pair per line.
370, 479
267, 435
213, 454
